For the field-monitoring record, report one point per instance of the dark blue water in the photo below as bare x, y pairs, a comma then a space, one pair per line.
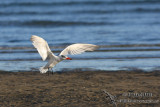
128, 32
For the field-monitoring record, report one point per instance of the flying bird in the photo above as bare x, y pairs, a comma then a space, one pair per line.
45, 52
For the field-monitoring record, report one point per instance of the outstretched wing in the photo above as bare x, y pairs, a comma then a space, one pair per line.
42, 46
78, 49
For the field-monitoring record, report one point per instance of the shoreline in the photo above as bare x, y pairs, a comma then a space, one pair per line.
74, 70
79, 88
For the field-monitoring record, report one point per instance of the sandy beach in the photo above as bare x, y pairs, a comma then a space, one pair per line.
77, 89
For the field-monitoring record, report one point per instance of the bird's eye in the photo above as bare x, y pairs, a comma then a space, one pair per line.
62, 56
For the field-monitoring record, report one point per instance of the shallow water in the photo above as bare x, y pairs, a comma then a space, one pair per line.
127, 31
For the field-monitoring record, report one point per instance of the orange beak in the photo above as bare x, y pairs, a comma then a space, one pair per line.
68, 58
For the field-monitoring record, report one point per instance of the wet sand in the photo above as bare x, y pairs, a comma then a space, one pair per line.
80, 89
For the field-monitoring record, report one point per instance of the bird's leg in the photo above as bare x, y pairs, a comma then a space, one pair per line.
48, 72
52, 71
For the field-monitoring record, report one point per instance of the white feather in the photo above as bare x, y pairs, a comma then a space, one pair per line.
78, 49
42, 46
43, 70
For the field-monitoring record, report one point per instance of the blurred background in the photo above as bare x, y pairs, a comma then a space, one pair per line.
128, 32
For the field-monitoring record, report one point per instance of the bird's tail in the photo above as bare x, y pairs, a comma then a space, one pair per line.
43, 70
